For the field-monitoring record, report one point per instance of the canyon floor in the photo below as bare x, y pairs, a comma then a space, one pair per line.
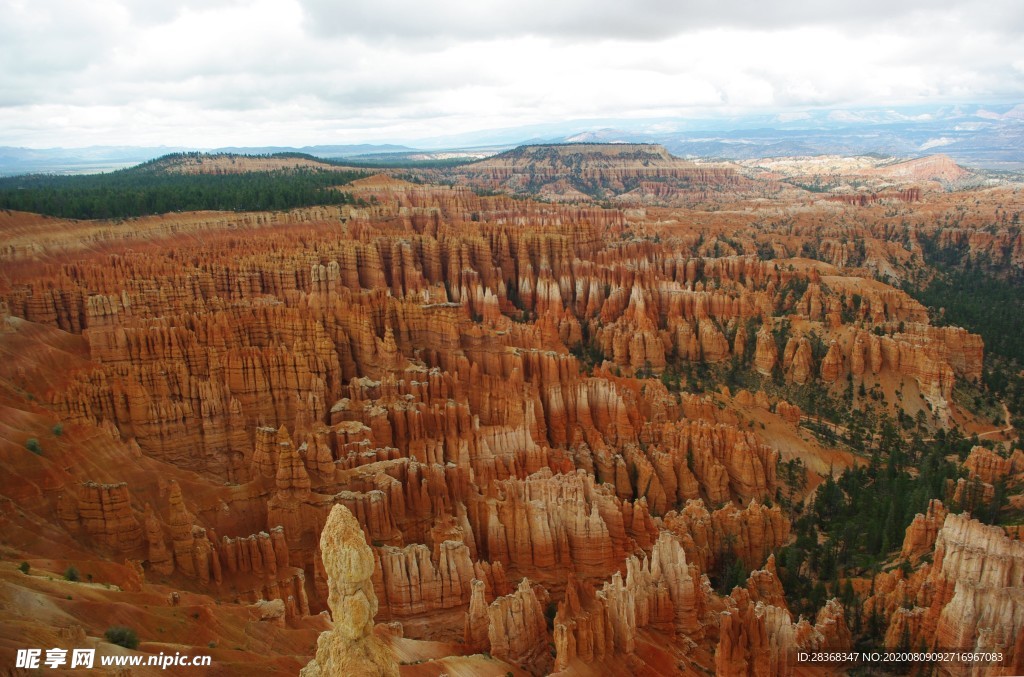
593, 410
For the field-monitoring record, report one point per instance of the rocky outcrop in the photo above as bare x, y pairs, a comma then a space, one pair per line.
743, 645
798, 360
412, 581
720, 461
830, 623
968, 598
477, 625
970, 493
990, 467
759, 639
582, 627
665, 582
934, 357
662, 592
789, 412
516, 627
832, 364
160, 557
350, 647
764, 585
749, 534
194, 554
261, 553
558, 520
985, 570
766, 353
104, 513
922, 532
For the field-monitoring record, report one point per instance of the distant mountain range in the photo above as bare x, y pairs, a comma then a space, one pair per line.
996, 145
989, 137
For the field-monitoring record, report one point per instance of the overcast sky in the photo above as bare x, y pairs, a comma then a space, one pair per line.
208, 73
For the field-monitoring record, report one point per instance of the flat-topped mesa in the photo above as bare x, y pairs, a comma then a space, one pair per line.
937, 167
350, 647
637, 173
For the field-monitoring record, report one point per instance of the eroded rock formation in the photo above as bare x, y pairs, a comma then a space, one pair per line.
969, 597
350, 647
516, 627
495, 389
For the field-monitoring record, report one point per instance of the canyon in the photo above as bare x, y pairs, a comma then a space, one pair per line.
556, 412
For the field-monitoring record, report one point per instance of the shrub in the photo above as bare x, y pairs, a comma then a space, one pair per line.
58, 430
32, 444
24, 567
71, 574
122, 636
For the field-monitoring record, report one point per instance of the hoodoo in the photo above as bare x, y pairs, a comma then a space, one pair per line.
350, 647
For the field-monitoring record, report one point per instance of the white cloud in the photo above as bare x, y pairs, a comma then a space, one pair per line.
935, 143
793, 116
258, 72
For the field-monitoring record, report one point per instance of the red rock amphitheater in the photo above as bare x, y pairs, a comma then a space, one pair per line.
443, 422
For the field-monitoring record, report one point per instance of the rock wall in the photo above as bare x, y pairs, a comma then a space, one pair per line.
969, 597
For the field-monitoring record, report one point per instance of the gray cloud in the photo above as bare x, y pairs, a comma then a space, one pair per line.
217, 72
636, 20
